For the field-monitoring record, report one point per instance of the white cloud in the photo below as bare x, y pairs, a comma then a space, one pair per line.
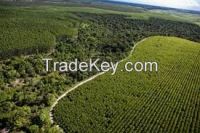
174, 3
185, 4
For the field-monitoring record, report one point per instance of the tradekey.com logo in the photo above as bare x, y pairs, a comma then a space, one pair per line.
97, 65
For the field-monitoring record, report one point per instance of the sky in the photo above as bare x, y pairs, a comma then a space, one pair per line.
182, 4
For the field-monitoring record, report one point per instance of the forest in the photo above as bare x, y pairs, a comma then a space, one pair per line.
27, 90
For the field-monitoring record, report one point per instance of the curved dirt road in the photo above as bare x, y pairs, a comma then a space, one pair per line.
83, 82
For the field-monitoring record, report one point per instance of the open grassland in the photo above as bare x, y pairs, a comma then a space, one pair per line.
163, 101
137, 14
188, 17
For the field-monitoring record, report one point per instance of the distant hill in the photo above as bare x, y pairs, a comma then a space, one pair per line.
18, 0
151, 7
51, 0
148, 7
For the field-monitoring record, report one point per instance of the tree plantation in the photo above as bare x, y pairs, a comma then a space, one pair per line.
164, 101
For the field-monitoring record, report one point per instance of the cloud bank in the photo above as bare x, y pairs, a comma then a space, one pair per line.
182, 4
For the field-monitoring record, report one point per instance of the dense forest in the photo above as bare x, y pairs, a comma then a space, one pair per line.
27, 90
138, 28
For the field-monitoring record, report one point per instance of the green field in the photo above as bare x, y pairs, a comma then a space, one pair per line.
164, 101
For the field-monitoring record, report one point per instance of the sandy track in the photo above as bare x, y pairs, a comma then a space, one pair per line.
83, 82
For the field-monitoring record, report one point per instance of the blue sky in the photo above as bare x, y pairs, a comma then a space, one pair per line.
182, 4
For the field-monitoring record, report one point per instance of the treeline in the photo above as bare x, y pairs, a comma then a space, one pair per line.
138, 28
111, 37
